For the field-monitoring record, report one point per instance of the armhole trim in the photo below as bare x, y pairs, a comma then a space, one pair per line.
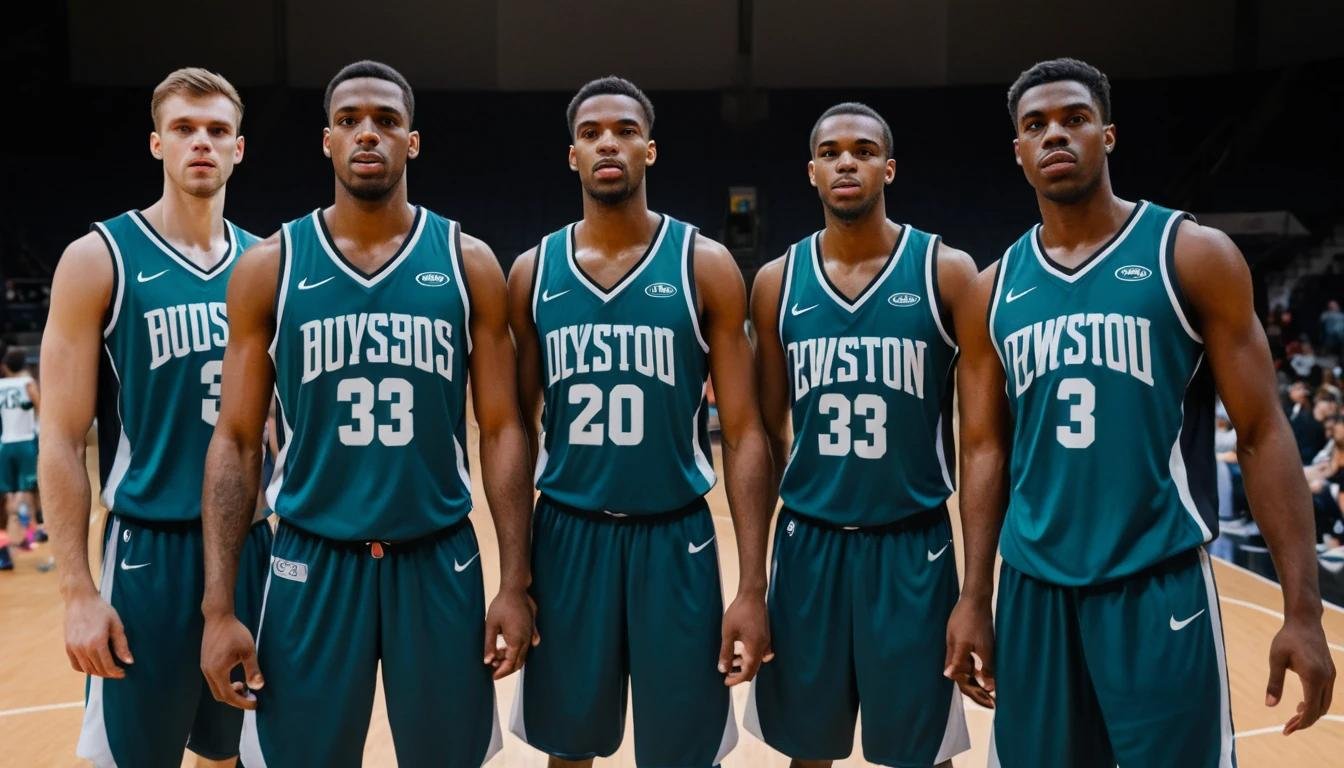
931, 287
282, 285
1167, 263
460, 271
785, 288
118, 279
537, 262
994, 306
688, 284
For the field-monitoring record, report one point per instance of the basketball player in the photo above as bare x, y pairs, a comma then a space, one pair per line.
619, 319
857, 341
18, 451
1109, 325
136, 336
19, 402
366, 319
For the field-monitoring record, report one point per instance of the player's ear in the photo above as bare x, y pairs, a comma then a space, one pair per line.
573, 159
238, 148
326, 142
651, 153
1017, 154
812, 173
413, 147
155, 145
890, 174
1108, 137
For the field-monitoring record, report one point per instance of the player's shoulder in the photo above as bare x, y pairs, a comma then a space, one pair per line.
1206, 245
523, 266
707, 248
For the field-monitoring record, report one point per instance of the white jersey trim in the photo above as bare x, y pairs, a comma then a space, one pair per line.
94, 745
1225, 754
1176, 465
249, 744
784, 291
594, 288
122, 461
1168, 240
282, 289
688, 283
454, 238
1134, 217
956, 739
702, 462
935, 306
119, 266
999, 279
406, 248
215, 270
873, 288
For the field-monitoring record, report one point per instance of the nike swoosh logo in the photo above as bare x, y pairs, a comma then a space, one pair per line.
1010, 298
1177, 626
140, 276
305, 285
935, 555
460, 567
547, 296
795, 311
691, 548
127, 567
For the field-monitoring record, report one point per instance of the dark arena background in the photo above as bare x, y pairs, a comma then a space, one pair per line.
1230, 109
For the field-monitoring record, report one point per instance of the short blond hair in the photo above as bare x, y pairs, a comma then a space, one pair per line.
193, 81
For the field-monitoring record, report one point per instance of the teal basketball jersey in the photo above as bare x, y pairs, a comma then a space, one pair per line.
871, 385
371, 379
1112, 465
159, 375
624, 412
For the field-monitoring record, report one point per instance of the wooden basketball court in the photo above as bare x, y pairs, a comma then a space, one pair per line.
41, 698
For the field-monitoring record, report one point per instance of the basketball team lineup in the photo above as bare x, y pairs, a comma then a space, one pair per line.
346, 436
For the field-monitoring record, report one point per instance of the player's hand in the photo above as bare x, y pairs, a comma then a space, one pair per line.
512, 616
93, 634
746, 639
225, 644
1300, 646
970, 634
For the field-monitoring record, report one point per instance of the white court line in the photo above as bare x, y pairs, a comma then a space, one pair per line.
1336, 647
42, 708
1271, 582
1279, 728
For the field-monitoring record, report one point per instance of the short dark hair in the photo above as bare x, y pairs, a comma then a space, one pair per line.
1056, 70
611, 85
378, 71
16, 360
852, 108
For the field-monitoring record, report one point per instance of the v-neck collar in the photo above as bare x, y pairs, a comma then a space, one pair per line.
159, 240
607, 294
368, 280
1076, 273
831, 290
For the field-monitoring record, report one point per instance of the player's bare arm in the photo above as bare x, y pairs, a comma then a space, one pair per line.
504, 464
81, 292
1216, 281
746, 453
984, 432
528, 347
771, 367
233, 468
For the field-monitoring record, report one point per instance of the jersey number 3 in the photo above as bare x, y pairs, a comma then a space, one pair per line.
1081, 431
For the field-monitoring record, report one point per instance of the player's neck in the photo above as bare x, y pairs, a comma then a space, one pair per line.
871, 236
1090, 220
370, 221
193, 224
613, 228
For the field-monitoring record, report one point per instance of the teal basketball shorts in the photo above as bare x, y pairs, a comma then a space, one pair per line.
18, 466
333, 610
1131, 672
626, 603
858, 621
154, 576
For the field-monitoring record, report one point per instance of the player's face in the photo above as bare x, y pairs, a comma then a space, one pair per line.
197, 139
370, 139
611, 147
849, 166
1061, 141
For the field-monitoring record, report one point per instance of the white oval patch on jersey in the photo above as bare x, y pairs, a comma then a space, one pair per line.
903, 299
1133, 273
432, 279
661, 290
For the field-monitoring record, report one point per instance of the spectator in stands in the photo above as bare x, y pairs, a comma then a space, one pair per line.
1303, 361
1325, 475
1274, 334
1307, 429
1332, 329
